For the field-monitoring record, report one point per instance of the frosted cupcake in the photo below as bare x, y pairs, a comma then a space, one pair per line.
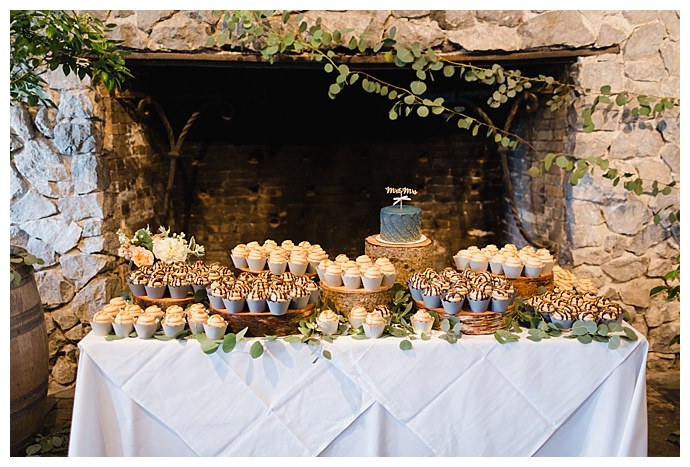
179, 286
215, 327
457, 259
256, 300
145, 326
277, 263
342, 258
173, 324
102, 323
364, 260
496, 263
611, 313
333, 275
479, 262
134, 310
533, 266
547, 258
478, 300
278, 302
155, 288
239, 255
372, 279
431, 295
298, 263
216, 293
588, 312
564, 316
299, 297
422, 322
256, 260
137, 281
500, 299
196, 317
352, 278
321, 268
452, 301
315, 256
357, 316
123, 324
234, 300
512, 267
465, 256
328, 322
374, 324
388, 270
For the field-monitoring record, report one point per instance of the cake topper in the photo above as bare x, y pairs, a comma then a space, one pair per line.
403, 192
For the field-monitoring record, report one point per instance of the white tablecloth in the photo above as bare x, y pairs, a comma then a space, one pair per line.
476, 398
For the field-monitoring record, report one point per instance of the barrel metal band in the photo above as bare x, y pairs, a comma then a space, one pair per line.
33, 397
26, 320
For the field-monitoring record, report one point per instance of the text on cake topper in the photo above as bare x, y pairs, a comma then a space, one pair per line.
403, 192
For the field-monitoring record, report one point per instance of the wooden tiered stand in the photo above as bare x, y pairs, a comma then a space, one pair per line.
407, 259
265, 324
473, 323
163, 303
344, 299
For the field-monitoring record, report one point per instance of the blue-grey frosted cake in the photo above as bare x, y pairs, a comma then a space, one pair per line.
401, 225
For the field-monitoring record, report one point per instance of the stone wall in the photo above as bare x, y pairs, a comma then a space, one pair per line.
80, 169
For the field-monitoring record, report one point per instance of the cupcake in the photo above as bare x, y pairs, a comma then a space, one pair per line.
333, 275
478, 300
588, 312
388, 270
357, 316
452, 301
239, 255
315, 256
364, 260
234, 300
342, 258
352, 278
479, 262
256, 260
179, 286
547, 258
372, 279
145, 326
102, 323
546, 309
533, 266
374, 325
134, 310
611, 313
216, 293
314, 291
564, 316
415, 284
321, 268
123, 324
459, 261
196, 317
299, 297
277, 263
422, 322
298, 263
512, 267
155, 287
328, 322
500, 299
137, 281
173, 324
278, 301
215, 327
496, 263
431, 295
256, 300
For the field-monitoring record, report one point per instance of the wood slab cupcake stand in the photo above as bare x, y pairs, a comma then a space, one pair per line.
265, 324
407, 259
163, 303
344, 299
473, 323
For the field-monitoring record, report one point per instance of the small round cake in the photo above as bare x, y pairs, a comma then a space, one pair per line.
401, 224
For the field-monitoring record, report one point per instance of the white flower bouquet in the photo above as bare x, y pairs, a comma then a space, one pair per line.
144, 248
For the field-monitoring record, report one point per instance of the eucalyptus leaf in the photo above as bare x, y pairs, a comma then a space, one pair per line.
360, 337
326, 354
229, 342
405, 345
591, 326
614, 342
629, 333
418, 87
445, 325
585, 339
240, 335
425, 336
208, 346
603, 330
256, 350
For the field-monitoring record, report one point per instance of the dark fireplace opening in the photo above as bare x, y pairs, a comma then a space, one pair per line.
270, 155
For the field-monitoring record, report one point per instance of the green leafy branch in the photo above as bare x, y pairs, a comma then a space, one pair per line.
42, 40
672, 291
588, 331
22, 258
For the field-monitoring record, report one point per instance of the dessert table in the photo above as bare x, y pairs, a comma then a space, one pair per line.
556, 397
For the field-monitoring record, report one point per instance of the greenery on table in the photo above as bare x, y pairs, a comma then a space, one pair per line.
42, 40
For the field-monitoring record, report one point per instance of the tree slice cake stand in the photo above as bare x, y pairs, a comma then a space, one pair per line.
344, 299
526, 287
265, 324
163, 303
407, 258
474, 323
307, 274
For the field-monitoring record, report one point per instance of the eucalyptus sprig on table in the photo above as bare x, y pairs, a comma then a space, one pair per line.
588, 331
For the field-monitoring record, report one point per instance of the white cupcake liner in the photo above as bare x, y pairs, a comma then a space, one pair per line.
388, 279
123, 330
372, 284
257, 306
278, 308
328, 327
322, 274
179, 292
172, 331
145, 331
532, 272
299, 303
216, 302
214, 332
277, 268
458, 263
478, 306
496, 267
351, 282
333, 280
196, 326
431, 301
373, 332
416, 293
234, 306
564, 323
452, 308
512, 272
256, 265
499, 305
356, 322
156, 292
196, 287
463, 262
312, 266
298, 269
138, 290
422, 326
239, 261
479, 266
548, 267
101, 329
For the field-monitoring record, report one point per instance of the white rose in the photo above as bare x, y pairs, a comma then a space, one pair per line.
170, 250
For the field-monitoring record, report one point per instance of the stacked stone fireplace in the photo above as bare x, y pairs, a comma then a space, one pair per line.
290, 163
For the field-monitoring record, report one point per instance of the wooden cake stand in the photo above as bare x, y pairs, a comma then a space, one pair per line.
163, 303
344, 299
265, 324
307, 274
407, 259
473, 323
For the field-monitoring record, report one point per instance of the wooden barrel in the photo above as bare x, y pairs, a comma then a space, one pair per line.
28, 360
